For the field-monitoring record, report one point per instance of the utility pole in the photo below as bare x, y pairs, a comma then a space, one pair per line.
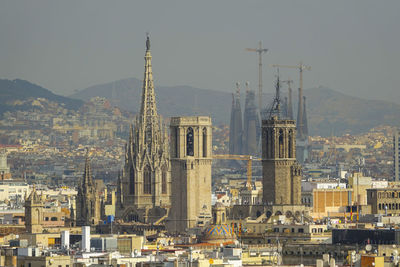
260, 51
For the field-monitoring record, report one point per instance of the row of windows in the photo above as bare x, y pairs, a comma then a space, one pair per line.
389, 195
147, 181
190, 142
281, 145
53, 219
306, 200
390, 206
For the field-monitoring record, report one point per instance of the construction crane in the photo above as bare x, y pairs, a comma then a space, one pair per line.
260, 51
300, 67
289, 105
241, 157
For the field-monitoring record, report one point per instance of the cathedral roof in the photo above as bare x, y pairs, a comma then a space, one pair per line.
34, 197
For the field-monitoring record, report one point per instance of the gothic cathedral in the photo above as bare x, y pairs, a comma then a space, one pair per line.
144, 188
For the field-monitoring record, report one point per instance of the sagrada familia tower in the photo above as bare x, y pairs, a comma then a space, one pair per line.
143, 192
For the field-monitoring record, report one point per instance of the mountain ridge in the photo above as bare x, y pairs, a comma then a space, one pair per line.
18, 89
328, 110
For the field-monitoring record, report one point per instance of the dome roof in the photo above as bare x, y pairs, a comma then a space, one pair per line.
218, 233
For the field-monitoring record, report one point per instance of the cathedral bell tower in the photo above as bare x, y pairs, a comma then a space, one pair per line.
281, 172
191, 159
34, 213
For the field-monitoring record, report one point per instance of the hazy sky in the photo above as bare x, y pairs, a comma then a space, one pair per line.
352, 46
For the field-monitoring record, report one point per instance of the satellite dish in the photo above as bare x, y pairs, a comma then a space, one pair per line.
368, 247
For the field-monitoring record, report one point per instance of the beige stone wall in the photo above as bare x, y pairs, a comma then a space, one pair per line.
190, 175
60, 261
277, 182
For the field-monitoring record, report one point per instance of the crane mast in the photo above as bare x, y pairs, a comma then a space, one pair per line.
259, 51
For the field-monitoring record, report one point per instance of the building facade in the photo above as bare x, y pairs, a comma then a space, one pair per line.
145, 185
191, 160
4, 167
281, 172
34, 213
384, 201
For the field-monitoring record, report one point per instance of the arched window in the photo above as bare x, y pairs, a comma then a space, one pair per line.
290, 144
131, 180
281, 151
204, 142
38, 219
91, 208
164, 181
223, 217
147, 180
190, 142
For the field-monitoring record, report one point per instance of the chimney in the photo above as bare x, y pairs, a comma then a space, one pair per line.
65, 239
85, 246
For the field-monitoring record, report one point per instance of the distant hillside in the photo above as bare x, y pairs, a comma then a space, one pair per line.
328, 111
171, 101
332, 112
13, 90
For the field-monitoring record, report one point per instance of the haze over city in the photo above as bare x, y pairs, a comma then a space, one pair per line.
352, 46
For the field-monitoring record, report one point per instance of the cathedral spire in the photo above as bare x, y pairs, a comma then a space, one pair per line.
148, 111
147, 166
236, 128
300, 116
87, 175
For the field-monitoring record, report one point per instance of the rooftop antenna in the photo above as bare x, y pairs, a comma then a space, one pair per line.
275, 109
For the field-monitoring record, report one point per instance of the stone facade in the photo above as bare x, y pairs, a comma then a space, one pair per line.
145, 186
88, 208
191, 160
34, 213
384, 201
281, 172
5, 173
